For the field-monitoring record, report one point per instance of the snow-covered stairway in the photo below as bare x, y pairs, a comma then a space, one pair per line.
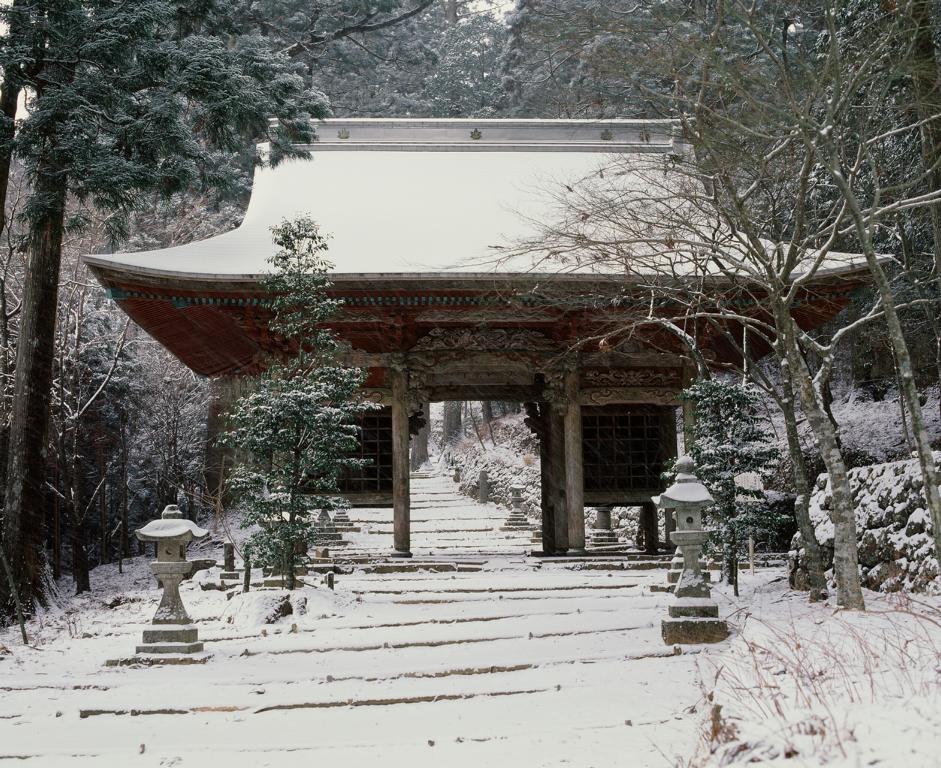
509, 665
444, 523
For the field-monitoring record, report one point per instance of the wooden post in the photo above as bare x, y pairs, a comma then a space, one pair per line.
538, 417
669, 448
557, 480
400, 464
574, 471
648, 523
669, 525
541, 412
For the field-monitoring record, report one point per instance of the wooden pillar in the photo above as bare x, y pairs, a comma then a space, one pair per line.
669, 445
557, 480
574, 471
538, 416
545, 484
400, 464
649, 525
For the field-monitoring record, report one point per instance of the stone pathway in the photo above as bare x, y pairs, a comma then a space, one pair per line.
502, 659
444, 522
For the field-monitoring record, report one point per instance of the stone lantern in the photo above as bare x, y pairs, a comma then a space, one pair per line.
516, 520
693, 615
171, 630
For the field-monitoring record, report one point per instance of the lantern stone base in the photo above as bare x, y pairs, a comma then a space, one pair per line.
159, 660
173, 633
157, 649
693, 607
170, 638
693, 630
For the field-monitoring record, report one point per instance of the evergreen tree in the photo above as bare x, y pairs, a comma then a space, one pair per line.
299, 425
727, 442
122, 99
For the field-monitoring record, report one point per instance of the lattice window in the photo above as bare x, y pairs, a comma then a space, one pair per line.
624, 446
376, 446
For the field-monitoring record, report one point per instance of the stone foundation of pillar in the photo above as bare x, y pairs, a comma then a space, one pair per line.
602, 534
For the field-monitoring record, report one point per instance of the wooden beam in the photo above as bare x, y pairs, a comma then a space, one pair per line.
473, 392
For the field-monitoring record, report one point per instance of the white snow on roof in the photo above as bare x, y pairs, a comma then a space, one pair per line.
388, 212
464, 197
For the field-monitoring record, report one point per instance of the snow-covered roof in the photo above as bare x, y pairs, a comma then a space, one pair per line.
463, 198
413, 196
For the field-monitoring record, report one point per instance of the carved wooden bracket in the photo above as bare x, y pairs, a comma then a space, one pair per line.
611, 395
632, 377
380, 396
484, 339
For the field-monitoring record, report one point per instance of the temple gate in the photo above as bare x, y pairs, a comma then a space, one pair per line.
418, 210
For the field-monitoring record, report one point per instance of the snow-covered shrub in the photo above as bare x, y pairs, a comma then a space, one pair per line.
275, 606
729, 441
512, 458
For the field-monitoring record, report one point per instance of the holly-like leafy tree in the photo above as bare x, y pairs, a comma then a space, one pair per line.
299, 425
728, 442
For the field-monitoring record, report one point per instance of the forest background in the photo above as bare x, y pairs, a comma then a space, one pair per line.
129, 428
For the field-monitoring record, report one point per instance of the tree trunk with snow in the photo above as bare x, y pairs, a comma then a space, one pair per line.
26, 466
903, 359
842, 509
813, 557
926, 81
453, 426
420, 441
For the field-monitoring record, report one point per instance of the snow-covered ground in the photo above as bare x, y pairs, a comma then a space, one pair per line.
809, 685
505, 659
509, 660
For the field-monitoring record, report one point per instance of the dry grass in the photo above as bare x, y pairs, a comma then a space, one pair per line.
789, 688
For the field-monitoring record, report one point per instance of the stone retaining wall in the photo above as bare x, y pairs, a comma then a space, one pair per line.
896, 551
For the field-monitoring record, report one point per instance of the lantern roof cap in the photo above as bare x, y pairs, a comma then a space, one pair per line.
171, 525
687, 488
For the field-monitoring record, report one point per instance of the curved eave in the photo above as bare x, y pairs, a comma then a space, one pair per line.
111, 273
217, 325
